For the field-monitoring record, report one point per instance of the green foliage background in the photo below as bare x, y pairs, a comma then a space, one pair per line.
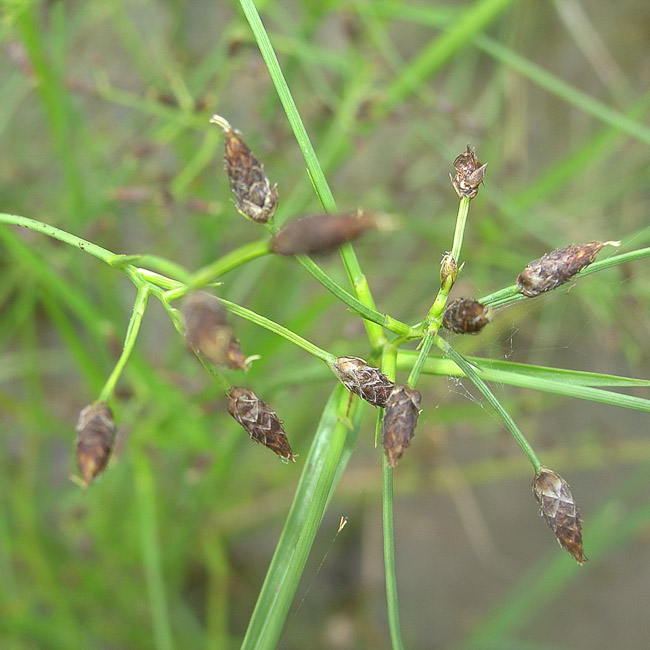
104, 133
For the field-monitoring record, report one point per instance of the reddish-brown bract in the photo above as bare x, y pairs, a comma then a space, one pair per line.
560, 511
259, 420
465, 316
256, 199
557, 267
206, 331
321, 233
363, 380
400, 420
95, 438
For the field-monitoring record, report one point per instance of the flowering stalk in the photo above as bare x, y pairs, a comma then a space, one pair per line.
473, 375
139, 307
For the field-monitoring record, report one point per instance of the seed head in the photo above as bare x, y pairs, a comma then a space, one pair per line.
206, 331
469, 174
363, 380
465, 316
321, 233
557, 267
95, 438
256, 199
259, 420
400, 420
559, 509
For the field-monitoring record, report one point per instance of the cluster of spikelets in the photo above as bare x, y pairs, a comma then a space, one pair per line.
210, 336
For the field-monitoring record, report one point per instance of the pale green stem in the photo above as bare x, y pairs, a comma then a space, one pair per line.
139, 307
388, 367
356, 305
512, 294
350, 261
459, 233
278, 329
473, 375
219, 267
38, 226
432, 322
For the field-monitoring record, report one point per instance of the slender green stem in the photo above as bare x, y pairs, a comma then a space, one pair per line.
388, 367
316, 175
459, 233
139, 307
322, 469
219, 267
423, 354
157, 279
38, 226
370, 314
615, 260
473, 375
278, 329
511, 294
432, 322
502, 296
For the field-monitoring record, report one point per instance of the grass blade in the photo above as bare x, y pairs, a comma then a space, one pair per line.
321, 470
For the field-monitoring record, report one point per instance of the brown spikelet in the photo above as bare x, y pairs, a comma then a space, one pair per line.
469, 174
557, 267
363, 380
95, 438
206, 331
321, 233
465, 316
400, 420
256, 199
259, 420
559, 509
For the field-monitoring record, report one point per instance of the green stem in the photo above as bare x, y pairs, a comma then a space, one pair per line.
472, 374
388, 367
461, 221
219, 267
502, 297
359, 307
314, 168
278, 329
511, 294
432, 322
322, 469
139, 307
423, 355
38, 226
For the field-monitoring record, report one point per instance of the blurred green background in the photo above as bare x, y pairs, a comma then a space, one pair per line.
104, 132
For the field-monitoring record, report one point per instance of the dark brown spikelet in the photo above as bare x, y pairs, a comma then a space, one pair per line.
259, 420
559, 509
321, 233
206, 331
465, 316
363, 380
95, 438
557, 267
256, 199
469, 174
400, 420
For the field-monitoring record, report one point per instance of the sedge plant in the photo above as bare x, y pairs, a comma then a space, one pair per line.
395, 348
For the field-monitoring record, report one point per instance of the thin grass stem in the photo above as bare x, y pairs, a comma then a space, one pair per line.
388, 367
139, 307
474, 377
